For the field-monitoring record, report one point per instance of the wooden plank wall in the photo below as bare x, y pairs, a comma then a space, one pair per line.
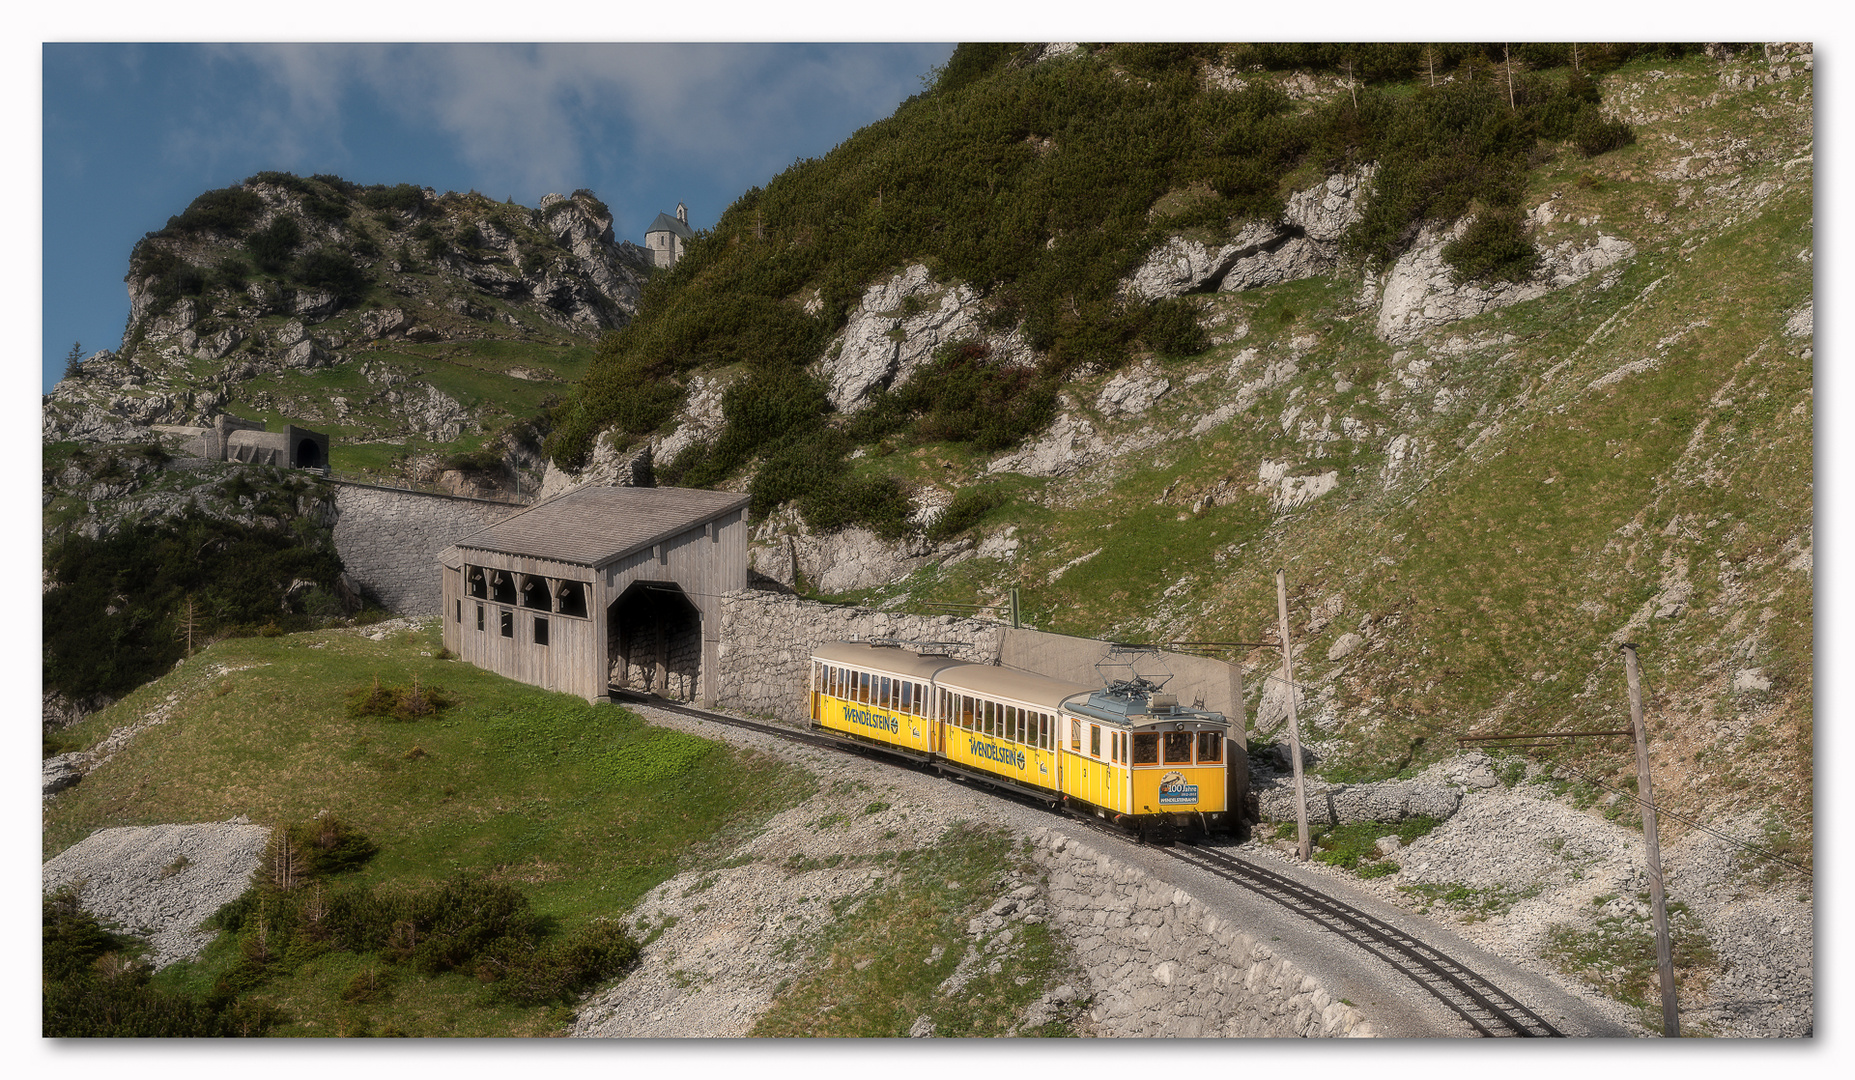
566, 663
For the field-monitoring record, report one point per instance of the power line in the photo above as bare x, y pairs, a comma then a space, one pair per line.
1764, 853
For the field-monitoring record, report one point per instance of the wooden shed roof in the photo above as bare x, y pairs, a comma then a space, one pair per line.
592, 526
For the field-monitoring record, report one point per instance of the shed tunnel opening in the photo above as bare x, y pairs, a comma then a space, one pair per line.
654, 640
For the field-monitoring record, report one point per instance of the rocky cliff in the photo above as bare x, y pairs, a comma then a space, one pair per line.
387, 315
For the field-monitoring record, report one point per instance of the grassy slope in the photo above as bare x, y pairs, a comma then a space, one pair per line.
508, 782
1496, 576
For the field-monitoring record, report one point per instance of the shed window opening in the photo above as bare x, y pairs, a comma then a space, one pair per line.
475, 585
1095, 740
1210, 747
540, 631
572, 599
460, 611
1146, 748
1177, 746
508, 624
502, 589
535, 595
479, 618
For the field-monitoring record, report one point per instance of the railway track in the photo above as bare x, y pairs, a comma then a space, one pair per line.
1485, 1007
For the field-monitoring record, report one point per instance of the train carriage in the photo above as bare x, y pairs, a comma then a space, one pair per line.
1003, 722
877, 693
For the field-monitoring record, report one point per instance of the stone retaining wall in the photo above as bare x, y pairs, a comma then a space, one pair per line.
767, 639
389, 541
1161, 964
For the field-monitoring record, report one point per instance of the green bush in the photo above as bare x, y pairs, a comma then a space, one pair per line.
966, 510
227, 211
271, 247
414, 702
1493, 248
332, 269
1595, 135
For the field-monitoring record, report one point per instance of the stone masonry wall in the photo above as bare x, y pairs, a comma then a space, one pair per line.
389, 540
767, 639
1160, 964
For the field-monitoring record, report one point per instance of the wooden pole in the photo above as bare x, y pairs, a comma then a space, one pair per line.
1302, 845
1664, 957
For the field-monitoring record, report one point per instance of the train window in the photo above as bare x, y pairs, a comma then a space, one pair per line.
863, 687
1178, 747
968, 715
1094, 740
1146, 748
908, 697
1075, 735
1210, 747
1043, 731
988, 717
882, 691
1012, 731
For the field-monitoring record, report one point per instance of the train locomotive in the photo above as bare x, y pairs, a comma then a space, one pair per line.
1128, 752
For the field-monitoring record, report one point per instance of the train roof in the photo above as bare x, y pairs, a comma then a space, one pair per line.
1001, 682
885, 658
1142, 711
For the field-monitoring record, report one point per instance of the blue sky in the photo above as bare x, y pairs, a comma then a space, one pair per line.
132, 132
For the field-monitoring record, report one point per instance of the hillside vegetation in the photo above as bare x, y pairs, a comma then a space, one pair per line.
1592, 423
455, 866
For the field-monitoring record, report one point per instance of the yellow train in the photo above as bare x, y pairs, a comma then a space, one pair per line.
1127, 752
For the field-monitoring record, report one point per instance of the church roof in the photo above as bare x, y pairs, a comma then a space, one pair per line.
666, 223
594, 525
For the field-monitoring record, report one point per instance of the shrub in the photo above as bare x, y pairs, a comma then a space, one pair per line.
271, 247
332, 269
1595, 135
404, 198
412, 702
1172, 329
966, 510
227, 211
1493, 248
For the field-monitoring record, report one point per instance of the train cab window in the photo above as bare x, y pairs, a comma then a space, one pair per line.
1094, 740
1178, 747
1075, 735
1210, 747
1146, 748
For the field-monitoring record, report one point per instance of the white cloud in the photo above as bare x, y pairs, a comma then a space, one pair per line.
529, 117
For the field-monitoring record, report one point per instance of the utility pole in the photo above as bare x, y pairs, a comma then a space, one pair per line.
1014, 608
1664, 958
1302, 846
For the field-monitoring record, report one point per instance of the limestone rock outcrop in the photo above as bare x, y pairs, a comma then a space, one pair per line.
1421, 294
896, 328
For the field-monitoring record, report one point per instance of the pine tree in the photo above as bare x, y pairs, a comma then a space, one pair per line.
74, 361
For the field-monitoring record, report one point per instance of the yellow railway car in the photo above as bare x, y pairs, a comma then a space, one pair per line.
1127, 751
877, 694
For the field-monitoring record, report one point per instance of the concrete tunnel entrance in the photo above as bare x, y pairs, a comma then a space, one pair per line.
654, 640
